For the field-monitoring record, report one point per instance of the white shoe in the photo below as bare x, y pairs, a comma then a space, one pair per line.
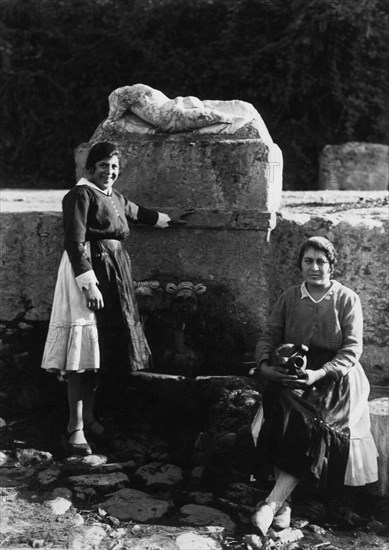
282, 517
263, 517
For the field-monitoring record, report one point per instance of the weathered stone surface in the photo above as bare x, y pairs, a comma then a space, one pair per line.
222, 174
160, 474
130, 504
84, 463
356, 221
192, 541
354, 165
46, 477
194, 514
379, 416
33, 457
99, 481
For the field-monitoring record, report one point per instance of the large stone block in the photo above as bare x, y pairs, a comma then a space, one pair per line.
354, 165
211, 173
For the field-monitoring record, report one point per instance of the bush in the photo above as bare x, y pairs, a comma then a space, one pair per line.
316, 70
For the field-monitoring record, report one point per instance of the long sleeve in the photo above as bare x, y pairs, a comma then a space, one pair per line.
351, 322
273, 334
139, 214
75, 215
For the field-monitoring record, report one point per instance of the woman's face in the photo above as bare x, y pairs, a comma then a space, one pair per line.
316, 268
105, 172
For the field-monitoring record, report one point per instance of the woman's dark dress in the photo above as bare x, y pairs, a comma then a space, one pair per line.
95, 226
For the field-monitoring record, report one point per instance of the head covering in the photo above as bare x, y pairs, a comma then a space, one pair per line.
318, 243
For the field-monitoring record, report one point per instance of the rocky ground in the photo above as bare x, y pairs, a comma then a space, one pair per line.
138, 491
138, 494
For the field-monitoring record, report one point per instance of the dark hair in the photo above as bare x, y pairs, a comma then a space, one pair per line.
318, 243
100, 151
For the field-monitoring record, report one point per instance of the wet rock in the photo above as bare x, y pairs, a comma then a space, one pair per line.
59, 505
194, 514
193, 541
33, 457
156, 473
99, 481
130, 504
46, 477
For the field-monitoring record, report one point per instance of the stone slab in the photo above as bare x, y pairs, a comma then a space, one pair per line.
354, 165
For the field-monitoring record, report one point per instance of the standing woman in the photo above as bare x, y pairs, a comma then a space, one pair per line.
315, 424
95, 324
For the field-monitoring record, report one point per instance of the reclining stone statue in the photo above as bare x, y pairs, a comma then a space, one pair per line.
140, 109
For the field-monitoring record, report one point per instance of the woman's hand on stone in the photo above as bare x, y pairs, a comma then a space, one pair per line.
177, 215
94, 298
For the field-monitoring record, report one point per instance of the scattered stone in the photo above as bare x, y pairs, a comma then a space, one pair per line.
90, 538
100, 481
84, 462
37, 543
197, 474
63, 492
33, 457
84, 493
201, 498
194, 514
316, 529
130, 504
377, 527
48, 476
253, 542
193, 541
243, 493
286, 536
156, 473
78, 520
5, 458
59, 505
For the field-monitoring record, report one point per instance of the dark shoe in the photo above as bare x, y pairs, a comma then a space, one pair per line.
78, 449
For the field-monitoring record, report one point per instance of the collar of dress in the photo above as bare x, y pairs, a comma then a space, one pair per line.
327, 295
84, 181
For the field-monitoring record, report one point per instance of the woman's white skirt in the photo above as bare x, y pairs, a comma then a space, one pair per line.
72, 341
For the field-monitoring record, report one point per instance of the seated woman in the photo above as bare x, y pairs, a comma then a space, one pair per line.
323, 429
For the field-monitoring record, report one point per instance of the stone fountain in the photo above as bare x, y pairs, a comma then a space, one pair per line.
202, 287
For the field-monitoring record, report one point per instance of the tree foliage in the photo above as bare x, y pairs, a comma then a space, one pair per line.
316, 70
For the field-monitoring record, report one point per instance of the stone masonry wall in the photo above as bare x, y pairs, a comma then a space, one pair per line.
32, 245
